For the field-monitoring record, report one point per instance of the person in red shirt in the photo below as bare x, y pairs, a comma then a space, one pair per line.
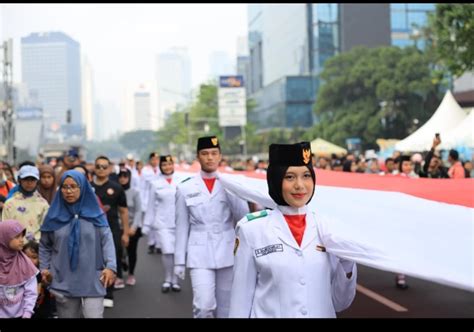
456, 171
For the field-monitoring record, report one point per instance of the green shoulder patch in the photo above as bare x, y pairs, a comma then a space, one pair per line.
185, 179
256, 215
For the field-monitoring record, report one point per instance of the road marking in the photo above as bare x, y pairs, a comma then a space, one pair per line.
379, 298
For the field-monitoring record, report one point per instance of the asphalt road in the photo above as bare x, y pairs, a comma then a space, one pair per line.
377, 296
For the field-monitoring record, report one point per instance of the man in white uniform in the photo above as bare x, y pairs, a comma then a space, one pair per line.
205, 218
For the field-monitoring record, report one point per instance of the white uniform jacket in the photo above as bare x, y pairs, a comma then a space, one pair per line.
205, 224
161, 210
148, 175
276, 278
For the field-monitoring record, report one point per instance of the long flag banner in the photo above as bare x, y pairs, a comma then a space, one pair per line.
420, 227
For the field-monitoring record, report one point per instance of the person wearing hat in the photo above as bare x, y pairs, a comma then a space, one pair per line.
282, 268
160, 219
150, 172
205, 218
27, 205
70, 160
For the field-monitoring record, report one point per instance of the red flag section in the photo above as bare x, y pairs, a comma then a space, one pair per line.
450, 191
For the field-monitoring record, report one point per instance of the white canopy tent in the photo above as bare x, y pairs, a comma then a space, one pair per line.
461, 136
447, 117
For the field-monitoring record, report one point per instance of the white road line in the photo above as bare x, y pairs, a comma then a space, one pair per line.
379, 298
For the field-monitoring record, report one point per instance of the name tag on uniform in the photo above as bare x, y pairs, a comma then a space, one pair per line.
268, 250
192, 195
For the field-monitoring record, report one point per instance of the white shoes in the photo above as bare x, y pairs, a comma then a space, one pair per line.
108, 303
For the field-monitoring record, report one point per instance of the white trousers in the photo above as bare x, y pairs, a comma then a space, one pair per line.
168, 266
153, 239
211, 292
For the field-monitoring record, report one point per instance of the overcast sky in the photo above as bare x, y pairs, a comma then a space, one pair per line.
121, 41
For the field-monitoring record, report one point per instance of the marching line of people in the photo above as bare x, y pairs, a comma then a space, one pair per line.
270, 263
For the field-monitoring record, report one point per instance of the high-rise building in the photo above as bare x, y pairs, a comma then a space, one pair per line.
2, 23
88, 97
99, 121
51, 69
174, 82
29, 120
288, 46
406, 20
143, 109
220, 64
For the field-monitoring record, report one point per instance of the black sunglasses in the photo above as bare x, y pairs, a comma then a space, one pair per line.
97, 166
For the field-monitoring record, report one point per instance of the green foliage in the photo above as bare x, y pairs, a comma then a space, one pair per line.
110, 148
136, 140
451, 29
374, 93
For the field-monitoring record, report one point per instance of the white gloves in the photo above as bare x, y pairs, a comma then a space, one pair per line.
347, 265
179, 270
145, 229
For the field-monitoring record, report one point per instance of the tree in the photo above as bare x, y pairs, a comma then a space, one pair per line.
139, 141
452, 29
374, 93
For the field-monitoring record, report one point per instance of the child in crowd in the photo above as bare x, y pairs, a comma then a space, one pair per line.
18, 285
45, 301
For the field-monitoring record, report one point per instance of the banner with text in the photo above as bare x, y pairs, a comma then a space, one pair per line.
232, 101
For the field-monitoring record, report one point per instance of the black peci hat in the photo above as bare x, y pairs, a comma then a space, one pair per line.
298, 154
282, 156
166, 158
208, 142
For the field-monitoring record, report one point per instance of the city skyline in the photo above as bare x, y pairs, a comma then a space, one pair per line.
121, 41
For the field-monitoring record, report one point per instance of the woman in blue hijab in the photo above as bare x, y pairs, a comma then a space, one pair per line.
77, 249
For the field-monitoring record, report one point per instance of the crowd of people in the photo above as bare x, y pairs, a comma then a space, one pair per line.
70, 232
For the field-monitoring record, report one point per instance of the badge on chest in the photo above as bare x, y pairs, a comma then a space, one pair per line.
269, 250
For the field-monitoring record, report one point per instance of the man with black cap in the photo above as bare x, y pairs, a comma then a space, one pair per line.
150, 173
205, 218
160, 219
282, 269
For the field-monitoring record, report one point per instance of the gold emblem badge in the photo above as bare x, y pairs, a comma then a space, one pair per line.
214, 141
168, 158
236, 245
306, 155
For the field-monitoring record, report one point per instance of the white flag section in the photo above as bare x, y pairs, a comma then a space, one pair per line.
388, 230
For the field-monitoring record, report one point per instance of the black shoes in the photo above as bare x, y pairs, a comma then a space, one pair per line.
167, 286
151, 249
400, 281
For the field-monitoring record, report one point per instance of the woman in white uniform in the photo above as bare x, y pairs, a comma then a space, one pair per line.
281, 266
160, 215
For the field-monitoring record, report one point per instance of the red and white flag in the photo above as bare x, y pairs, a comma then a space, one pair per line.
419, 227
